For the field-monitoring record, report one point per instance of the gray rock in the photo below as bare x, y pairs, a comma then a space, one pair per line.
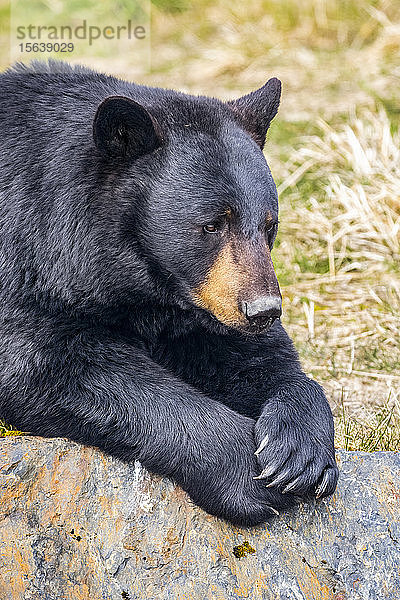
76, 524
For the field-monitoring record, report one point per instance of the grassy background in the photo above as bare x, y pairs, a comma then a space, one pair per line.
334, 152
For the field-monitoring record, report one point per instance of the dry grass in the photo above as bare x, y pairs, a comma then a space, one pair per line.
330, 54
340, 236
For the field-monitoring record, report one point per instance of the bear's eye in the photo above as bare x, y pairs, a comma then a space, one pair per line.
211, 228
271, 227
271, 230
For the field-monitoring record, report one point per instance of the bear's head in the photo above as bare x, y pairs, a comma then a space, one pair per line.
201, 206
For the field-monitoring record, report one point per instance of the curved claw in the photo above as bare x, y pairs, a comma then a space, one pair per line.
268, 471
292, 485
262, 445
326, 487
279, 479
272, 509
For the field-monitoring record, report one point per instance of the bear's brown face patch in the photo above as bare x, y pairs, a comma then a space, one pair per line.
242, 272
219, 293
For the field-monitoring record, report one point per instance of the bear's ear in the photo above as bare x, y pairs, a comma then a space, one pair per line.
256, 110
122, 127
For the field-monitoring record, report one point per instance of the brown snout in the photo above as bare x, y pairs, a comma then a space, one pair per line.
241, 288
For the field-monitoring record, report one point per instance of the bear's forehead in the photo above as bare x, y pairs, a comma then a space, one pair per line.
191, 112
206, 175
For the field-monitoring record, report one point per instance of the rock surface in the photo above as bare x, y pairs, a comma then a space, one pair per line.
76, 524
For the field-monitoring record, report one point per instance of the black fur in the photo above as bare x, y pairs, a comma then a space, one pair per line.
104, 190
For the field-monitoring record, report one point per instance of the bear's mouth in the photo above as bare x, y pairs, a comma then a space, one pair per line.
262, 326
244, 327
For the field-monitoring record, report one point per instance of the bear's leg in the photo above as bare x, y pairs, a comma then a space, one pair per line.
261, 377
294, 434
111, 395
294, 425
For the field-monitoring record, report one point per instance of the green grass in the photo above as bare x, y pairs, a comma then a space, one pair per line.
7, 430
378, 431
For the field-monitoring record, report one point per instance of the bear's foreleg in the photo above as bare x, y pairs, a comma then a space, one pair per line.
111, 395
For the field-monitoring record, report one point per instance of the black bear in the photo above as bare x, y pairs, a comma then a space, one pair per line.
140, 311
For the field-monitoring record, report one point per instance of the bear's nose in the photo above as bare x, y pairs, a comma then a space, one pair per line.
263, 311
